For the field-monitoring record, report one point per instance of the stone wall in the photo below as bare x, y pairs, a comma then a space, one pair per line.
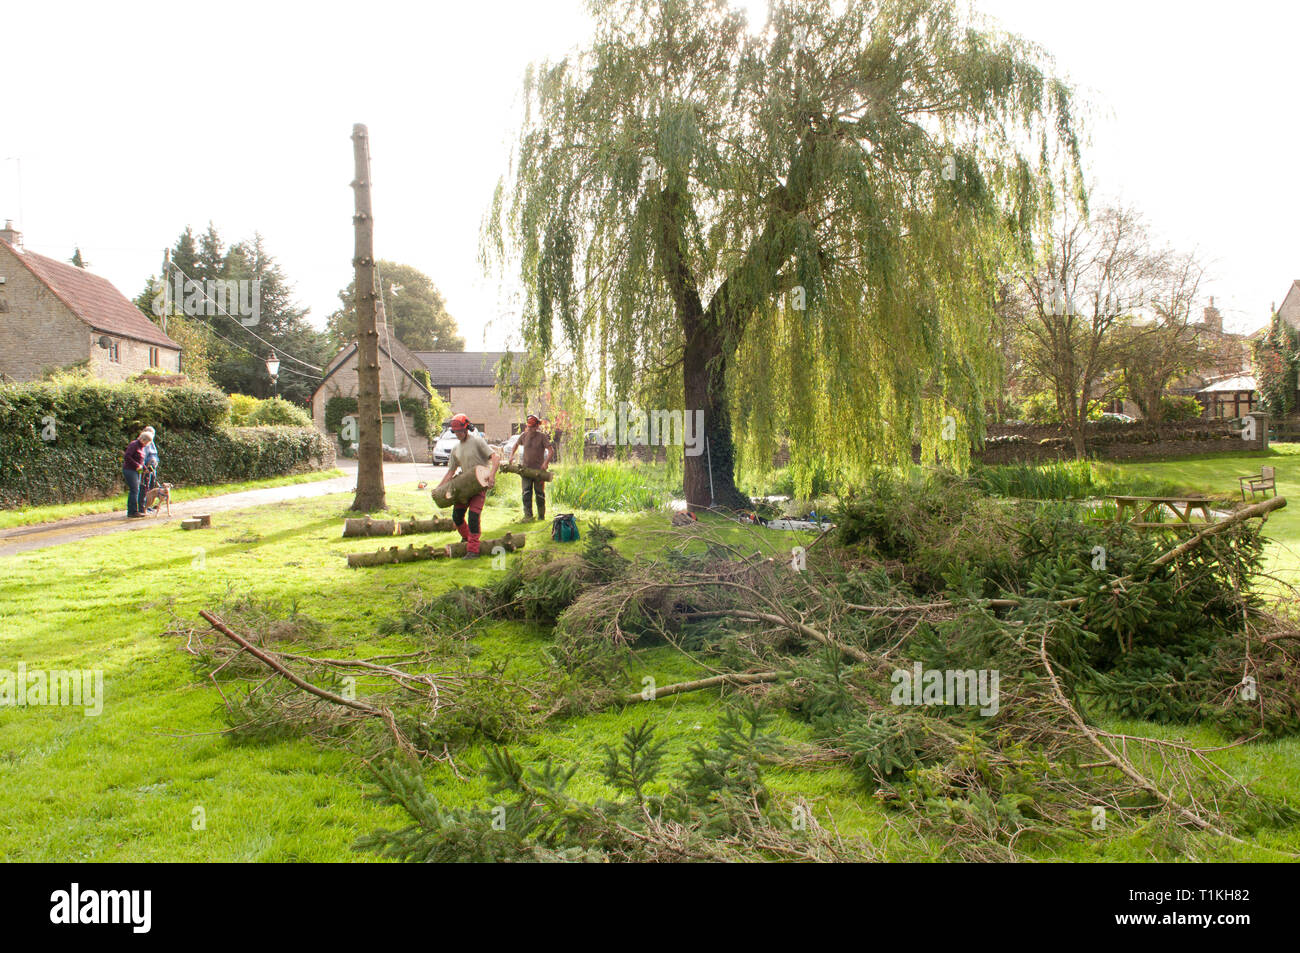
482, 406
37, 330
1042, 443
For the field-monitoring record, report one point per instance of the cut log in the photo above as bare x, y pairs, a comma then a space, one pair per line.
393, 554
369, 527
533, 473
197, 522
439, 524
464, 487
510, 542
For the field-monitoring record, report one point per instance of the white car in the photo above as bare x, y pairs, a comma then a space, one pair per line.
444, 445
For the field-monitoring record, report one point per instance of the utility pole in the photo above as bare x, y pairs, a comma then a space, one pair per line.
370, 457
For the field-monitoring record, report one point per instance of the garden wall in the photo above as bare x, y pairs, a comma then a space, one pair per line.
1108, 440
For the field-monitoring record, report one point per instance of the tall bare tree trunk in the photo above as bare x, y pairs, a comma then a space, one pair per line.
370, 456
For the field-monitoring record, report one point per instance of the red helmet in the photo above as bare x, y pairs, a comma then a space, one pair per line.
459, 422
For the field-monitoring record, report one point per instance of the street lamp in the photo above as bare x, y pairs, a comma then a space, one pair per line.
273, 368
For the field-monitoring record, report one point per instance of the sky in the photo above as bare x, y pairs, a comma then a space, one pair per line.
126, 122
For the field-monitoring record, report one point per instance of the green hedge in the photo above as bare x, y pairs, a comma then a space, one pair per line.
71, 472
336, 408
94, 421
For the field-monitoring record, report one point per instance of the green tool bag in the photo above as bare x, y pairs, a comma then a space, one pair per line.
564, 528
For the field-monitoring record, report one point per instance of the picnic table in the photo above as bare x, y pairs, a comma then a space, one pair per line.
1143, 512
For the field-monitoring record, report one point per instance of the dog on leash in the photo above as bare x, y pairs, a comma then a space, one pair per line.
159, 495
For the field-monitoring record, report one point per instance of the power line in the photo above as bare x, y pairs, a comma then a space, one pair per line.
200, 287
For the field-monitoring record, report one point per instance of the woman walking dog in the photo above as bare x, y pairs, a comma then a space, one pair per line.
132, 470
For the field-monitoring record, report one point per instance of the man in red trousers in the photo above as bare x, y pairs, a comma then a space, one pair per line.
472, 451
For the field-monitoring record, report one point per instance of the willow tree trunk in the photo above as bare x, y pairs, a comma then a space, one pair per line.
370, 455
709, 475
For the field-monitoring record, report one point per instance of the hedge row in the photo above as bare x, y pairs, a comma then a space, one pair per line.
66, 471
106, 414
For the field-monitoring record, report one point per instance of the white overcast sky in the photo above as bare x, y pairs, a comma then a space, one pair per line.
133, 120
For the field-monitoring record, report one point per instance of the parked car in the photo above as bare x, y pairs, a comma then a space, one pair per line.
508, 447
443, 446
1118, 418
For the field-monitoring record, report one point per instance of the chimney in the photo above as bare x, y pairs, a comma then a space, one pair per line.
11, 234
1212, 319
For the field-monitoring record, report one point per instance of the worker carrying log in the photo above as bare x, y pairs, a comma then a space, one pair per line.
468, 456
536, 445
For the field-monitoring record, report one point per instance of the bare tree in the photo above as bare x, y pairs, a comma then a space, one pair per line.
1079, 295
1154, 353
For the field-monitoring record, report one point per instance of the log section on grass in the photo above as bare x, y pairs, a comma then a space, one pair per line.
533, 473
369, 527
464, 486
510, 542
393, 554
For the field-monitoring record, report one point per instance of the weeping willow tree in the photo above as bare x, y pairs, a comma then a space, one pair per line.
796, 230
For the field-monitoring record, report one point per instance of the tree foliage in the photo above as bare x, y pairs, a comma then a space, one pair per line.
415, 309
796, 230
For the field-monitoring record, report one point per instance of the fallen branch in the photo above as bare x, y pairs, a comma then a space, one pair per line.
276, 666
749, 678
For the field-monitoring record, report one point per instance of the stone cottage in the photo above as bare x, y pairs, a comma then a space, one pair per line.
53, 315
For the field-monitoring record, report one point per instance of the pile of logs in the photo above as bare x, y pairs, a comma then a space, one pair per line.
368, 527
393, 554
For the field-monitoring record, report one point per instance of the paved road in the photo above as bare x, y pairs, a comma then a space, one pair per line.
23, 538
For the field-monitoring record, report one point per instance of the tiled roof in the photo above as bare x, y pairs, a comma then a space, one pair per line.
1244, 382
93, 299
461, 368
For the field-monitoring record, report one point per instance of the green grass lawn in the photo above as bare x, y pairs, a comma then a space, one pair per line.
125, 785
32, 515
1217, 476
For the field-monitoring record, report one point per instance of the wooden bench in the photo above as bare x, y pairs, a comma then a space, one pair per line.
1142, 512
1258, 483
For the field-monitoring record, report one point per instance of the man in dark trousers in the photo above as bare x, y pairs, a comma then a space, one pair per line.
537, 449
472, 451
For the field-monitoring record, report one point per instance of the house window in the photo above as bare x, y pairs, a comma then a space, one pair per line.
153, 357
115, 352
444, 393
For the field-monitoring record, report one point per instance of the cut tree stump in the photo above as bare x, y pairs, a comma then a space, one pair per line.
369, 527
197, 522
394, 554
464, 487
533, 473
510, 542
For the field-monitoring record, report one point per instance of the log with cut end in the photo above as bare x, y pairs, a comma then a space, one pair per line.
533, 473
464, 486
509, 542
372, 527
368, 527
394, 554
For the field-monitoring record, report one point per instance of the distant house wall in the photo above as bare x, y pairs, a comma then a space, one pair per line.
37, 330
481, 406
342, 382
125, 358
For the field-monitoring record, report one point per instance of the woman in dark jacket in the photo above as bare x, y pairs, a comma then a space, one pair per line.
132, 464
